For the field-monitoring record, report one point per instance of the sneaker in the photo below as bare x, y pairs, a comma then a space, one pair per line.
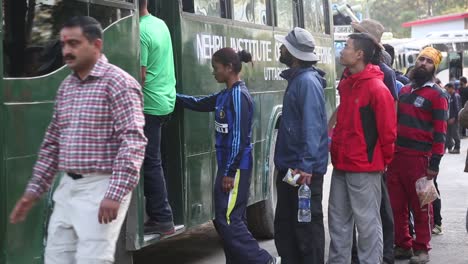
454, 151
420, 257
275, 260
162, 228
437, 230
401, 253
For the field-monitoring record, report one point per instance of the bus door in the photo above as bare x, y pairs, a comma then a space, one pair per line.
171, 152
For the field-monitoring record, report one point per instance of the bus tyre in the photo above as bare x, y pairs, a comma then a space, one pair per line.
122, 255
261, 215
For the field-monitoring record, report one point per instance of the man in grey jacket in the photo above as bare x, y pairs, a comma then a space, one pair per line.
302, 146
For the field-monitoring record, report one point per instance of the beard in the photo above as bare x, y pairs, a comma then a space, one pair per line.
286, 58
419, 76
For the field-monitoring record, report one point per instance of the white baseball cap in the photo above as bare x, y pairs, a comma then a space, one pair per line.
300, 43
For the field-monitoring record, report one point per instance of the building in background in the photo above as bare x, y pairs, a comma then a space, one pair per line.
439, 26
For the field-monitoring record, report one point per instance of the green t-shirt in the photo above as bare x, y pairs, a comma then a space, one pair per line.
156, 55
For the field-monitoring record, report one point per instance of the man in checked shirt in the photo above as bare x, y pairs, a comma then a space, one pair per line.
96, 137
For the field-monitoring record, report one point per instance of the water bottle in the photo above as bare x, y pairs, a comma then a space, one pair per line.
303, 210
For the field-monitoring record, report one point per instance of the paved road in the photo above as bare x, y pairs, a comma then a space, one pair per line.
202, 246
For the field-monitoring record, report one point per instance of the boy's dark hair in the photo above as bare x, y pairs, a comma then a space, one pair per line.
450, 85
391, 51
92, 29
463, 80
364, 42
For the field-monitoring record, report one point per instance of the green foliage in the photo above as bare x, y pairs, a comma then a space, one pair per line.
393, 13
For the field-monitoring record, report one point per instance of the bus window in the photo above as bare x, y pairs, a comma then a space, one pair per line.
314, 16
30, 45
107, 15
455, 65
447, 47
284, 14
253, 11
461, 46
214, 8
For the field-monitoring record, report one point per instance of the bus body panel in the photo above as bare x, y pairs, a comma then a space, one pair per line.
26, 110
200, 38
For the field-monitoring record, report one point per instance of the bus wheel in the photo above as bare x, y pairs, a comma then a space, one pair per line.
122, 255
261, 215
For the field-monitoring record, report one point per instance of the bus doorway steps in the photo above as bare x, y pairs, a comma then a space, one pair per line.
153, 238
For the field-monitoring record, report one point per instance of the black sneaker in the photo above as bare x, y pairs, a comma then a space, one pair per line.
454, 151
162, 228
401, 253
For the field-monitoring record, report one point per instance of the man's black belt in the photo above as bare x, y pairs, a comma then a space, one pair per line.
74, 176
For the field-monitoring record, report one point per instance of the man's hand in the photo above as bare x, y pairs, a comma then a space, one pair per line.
228, 183
108, 211
305, 177
22, 207
451, 121
430, 174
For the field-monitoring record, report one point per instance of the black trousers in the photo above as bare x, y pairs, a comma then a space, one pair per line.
299, 243
453, 136
437, 206
157, 204
386, 215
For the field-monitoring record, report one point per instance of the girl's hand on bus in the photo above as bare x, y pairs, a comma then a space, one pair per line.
108, 211
228, 183
305, 177
22, 208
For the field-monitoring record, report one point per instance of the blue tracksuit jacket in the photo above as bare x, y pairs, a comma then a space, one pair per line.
233, 124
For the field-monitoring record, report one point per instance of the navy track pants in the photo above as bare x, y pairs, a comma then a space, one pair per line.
230, 221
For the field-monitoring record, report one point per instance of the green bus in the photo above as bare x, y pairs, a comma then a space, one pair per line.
32, 69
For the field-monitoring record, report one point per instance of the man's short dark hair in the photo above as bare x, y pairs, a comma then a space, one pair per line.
92, 29
364, 42
142, 3
450, 85
463, 80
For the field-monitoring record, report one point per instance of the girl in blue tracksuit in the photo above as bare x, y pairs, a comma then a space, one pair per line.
233, 124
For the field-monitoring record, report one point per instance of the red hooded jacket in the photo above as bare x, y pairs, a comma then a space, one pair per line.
365, 132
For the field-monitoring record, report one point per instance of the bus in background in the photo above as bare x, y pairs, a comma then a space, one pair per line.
341, 34
32, 70
454, 51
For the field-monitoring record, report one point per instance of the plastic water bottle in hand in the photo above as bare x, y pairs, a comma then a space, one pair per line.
303, 210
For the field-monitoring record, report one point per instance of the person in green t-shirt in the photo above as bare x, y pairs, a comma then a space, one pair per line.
158, 79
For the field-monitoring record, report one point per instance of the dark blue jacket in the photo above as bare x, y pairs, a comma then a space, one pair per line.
302, 137
389, 79
233, 109
454, 105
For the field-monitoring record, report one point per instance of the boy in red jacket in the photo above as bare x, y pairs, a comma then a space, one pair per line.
362, 146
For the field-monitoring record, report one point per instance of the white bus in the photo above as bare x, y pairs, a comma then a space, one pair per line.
454, 51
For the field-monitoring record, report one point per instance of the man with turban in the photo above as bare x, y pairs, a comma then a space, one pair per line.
421, 130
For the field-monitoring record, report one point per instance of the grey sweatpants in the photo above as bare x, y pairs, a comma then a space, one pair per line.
355, 199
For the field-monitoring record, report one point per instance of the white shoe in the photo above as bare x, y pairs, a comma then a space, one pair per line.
276, 260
